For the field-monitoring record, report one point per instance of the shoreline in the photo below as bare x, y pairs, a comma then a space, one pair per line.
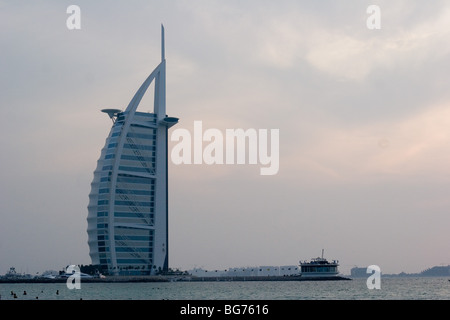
128, 279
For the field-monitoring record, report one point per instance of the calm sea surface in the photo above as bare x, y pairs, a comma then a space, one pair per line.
391, 289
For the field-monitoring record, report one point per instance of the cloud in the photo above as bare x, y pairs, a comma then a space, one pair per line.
355, 56
415, 146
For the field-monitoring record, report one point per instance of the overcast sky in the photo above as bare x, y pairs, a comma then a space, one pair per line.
363, 116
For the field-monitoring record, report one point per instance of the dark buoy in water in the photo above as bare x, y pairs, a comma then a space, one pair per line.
57, 291
24, 293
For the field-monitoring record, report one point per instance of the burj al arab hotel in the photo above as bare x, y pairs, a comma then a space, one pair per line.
128, 203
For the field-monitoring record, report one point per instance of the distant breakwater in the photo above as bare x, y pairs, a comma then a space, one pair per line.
124, 279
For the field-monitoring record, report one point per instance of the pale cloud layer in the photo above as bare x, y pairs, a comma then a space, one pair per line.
417, 145
363, 118
354, 57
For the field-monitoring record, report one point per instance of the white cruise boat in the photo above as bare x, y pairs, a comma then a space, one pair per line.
319, 267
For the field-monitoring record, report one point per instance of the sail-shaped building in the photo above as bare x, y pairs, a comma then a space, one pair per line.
128, 203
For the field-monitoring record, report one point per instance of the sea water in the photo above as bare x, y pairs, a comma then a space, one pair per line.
421, 288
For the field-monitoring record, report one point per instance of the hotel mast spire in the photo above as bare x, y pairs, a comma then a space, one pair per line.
162, 44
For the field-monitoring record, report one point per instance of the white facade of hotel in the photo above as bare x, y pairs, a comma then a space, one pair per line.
128, 203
